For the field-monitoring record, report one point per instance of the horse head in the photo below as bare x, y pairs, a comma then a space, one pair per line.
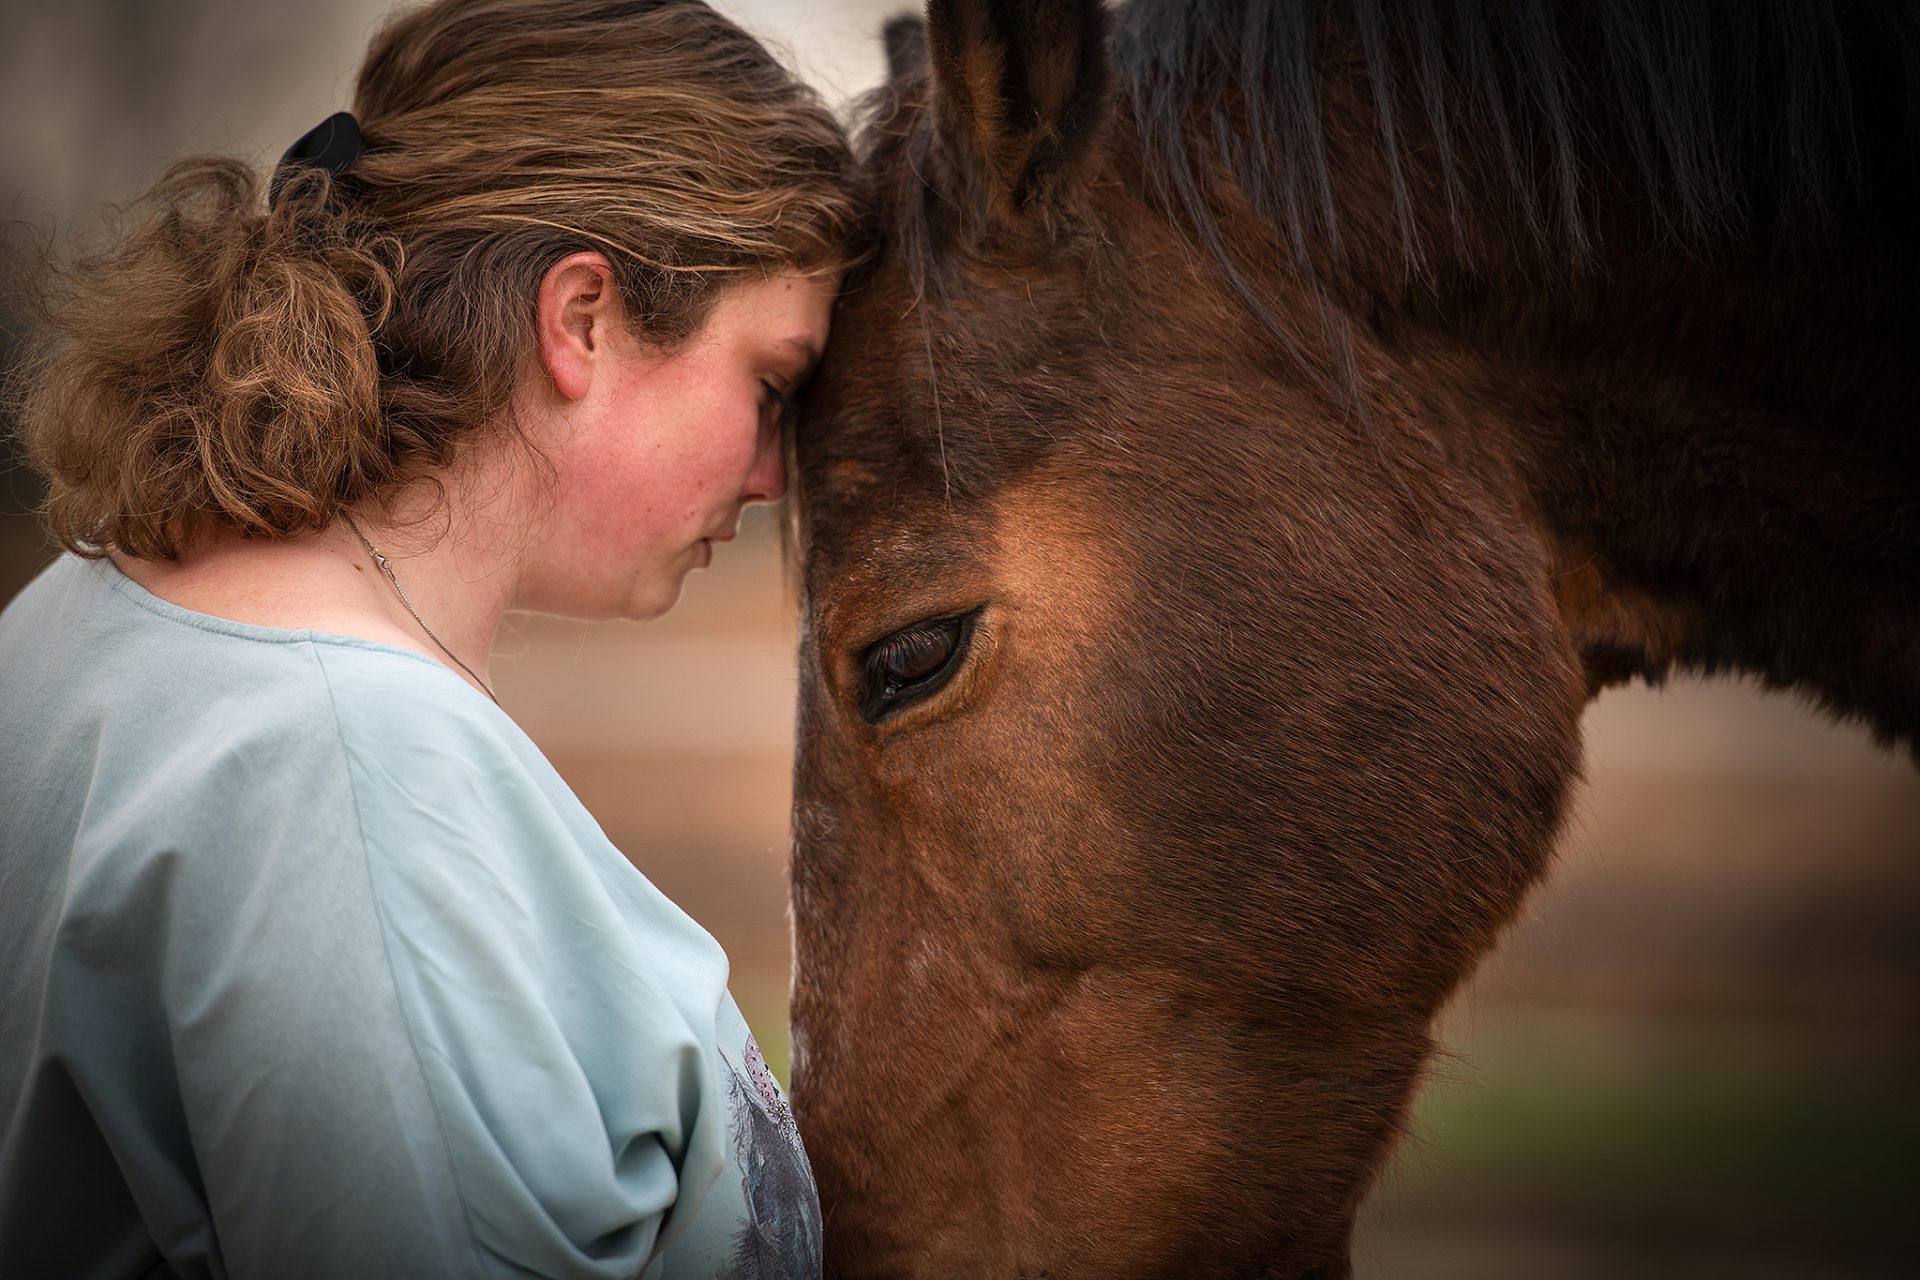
1183, 708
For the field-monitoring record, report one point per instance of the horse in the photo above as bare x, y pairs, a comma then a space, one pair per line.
1260, 430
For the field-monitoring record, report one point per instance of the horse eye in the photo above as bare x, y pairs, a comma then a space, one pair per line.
913, 662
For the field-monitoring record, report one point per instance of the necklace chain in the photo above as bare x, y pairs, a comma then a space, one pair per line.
386, 567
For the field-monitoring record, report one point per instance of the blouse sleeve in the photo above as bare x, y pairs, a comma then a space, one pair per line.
428, 1034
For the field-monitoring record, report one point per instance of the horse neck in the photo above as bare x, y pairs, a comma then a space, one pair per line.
1721, 459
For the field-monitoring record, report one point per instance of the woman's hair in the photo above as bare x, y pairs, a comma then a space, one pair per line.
223, 363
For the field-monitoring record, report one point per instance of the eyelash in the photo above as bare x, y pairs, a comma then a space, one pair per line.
781, 400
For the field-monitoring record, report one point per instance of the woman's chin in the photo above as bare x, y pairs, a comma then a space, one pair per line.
640, 598
654, 596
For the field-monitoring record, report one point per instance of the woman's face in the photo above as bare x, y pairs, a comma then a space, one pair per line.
657, 454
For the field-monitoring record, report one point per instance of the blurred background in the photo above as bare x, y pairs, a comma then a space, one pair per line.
1696, 1055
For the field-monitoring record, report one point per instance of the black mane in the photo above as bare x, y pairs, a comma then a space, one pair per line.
1711, 115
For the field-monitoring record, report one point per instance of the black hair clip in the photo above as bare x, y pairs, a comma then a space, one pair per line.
333, 144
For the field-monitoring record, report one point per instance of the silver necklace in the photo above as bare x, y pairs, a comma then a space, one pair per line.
386, 567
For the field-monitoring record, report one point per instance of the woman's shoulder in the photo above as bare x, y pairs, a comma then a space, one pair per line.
114, 699
86, 635
142, 727
83, 623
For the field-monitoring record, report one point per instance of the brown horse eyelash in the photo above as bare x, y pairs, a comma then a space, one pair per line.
881, 695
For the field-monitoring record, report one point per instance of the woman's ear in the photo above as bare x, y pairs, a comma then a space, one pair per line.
576, 311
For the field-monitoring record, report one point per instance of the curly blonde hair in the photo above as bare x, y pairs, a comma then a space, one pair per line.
223, 363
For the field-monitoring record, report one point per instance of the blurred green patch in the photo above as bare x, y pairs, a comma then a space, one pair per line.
1593, 1150
1755, 1131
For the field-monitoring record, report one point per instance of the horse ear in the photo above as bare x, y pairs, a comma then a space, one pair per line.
1023, 89
905, 38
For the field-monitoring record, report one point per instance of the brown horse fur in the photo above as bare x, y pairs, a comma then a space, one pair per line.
1300, 505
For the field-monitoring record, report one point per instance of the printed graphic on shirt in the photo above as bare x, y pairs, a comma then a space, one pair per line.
780, 1237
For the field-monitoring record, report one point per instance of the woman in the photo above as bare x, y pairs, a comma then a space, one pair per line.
309, 963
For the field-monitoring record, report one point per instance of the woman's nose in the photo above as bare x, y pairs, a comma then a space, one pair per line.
767, 482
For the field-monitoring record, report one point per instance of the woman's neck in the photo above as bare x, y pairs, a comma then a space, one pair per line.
456, 561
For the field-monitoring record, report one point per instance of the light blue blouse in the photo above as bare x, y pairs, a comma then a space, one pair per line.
310, 965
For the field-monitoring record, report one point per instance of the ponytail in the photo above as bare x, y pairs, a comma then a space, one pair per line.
212, 365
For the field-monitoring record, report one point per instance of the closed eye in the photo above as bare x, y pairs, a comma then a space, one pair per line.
777, 406
912, 664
